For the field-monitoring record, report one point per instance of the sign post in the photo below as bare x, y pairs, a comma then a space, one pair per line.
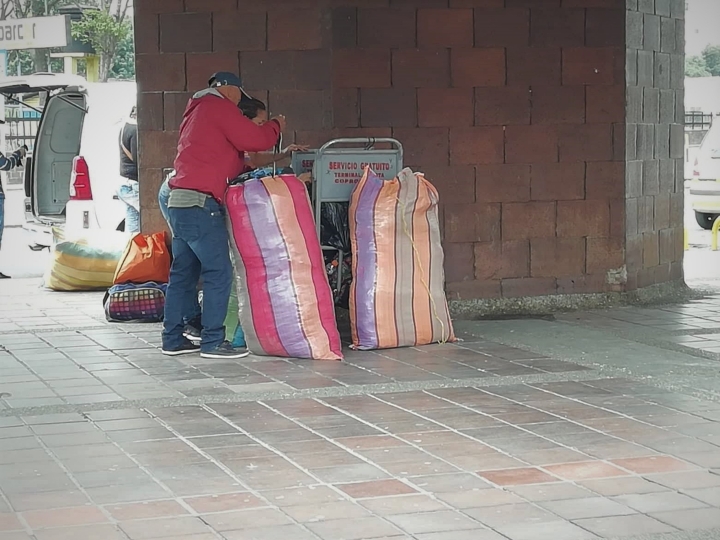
35, 33
3, 73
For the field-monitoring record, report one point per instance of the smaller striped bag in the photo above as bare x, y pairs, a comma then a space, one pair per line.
397, 297
136, 303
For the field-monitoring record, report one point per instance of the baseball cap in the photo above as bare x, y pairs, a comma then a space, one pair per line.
226, 78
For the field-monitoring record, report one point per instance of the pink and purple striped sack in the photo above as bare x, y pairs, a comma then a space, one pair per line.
285, 303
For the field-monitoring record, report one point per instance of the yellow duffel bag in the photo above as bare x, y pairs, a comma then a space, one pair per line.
85, 260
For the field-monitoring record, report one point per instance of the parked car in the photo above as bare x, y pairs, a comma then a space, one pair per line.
705, 185
72, 176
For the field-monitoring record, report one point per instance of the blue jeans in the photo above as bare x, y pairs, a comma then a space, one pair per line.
129, 193
2, 215
200, 248
193, 316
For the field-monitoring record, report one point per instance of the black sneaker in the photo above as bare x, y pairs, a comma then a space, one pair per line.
186, 348
4, 276
226, 350
192, 333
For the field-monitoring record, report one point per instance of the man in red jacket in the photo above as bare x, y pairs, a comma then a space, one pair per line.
214, 137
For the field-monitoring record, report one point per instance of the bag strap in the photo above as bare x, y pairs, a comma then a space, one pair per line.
122, 144
276, 152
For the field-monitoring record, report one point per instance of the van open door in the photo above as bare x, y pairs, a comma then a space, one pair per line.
57, 141
56, 145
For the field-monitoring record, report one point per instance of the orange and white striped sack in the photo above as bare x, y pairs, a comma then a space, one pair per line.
397, 296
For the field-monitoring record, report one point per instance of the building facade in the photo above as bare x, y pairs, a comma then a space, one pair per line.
552, 128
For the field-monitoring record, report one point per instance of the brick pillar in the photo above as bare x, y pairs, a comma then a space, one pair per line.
655, 141
515, 109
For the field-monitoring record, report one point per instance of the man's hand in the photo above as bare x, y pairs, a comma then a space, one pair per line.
294, 148
306, 178
22, 151
282, 122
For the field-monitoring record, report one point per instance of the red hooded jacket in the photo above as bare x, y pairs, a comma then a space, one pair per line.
214, 136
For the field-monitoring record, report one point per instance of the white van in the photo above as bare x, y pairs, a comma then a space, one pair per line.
73, 173
705, 185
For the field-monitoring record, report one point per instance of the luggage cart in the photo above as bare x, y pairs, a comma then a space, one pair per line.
336, 171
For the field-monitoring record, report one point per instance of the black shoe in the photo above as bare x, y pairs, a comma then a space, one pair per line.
186, 348
4, 276
192, 333
226, 350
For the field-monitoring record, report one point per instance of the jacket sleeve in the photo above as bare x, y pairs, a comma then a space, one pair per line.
7, 163
245, 135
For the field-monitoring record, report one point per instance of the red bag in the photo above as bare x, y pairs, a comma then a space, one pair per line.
146, 258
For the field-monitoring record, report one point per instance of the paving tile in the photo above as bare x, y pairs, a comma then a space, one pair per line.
289, 532
551, 492
326, 512
625, 485
78, 515
404, 504
552, 530
9, 522
512, 514
475, 534
448, 483
284, 498
437, 521
653, 464
92, 532
354, 529
624, 526
479, 498
687, 479
145, 510
592, 507
659, 502
46, 501
585, 470
516, 477
224, 502
362, 472
709, 496
379, 488
163, 528
127, 493
246, 519
691, 520
710, 460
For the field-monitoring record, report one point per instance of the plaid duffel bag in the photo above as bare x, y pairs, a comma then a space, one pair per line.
136, 303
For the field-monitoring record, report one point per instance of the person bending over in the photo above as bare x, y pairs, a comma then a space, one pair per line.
214, 134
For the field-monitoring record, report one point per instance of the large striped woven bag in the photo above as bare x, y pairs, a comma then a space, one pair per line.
397, 297
285, 302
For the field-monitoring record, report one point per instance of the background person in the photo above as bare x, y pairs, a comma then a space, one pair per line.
6, 164
129, 191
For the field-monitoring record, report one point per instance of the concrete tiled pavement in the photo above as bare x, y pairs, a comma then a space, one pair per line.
586, 426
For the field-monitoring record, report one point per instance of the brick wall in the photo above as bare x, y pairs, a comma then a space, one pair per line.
515, 109
655, 141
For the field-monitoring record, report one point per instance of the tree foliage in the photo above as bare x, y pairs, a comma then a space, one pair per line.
711, 55
124, 64
707, 64
106, 30
695, 66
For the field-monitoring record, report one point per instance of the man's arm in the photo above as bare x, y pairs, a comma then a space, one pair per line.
261, 159
8, 163
245, 135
